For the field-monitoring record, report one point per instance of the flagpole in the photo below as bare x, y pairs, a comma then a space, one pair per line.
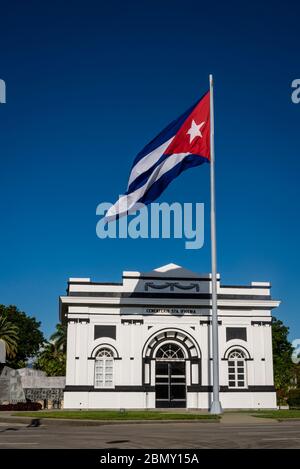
216, 407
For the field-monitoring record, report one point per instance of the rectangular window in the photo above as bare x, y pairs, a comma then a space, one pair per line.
104, 331
104, 373
236, 374
236, 333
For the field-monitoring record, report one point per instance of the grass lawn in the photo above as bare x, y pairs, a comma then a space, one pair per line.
278, 414
116, 415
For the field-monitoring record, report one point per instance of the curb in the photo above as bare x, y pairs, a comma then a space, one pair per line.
291, 419
82, 422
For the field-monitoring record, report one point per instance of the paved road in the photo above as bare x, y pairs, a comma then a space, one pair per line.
146, 436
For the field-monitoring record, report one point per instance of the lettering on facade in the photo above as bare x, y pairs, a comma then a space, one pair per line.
179, 311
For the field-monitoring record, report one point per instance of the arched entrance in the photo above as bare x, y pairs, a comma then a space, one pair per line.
172, 367
170, 376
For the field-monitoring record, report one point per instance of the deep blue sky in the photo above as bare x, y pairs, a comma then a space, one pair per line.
89, 84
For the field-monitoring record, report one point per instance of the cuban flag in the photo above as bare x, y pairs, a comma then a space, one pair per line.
183, 144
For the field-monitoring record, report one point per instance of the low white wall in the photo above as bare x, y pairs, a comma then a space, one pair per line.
105, 400
139, 400
248, 400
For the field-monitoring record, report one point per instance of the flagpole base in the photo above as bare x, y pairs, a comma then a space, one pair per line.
216, 408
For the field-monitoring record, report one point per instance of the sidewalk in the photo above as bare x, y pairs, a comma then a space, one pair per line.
242, 418
227, 418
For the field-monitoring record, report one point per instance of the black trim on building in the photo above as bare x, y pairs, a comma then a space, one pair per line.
259, 388
199, 388
247, 359
194, 360
209, 323
163, 277
82, 388
94, 283
247, 286
198, 296
164, 306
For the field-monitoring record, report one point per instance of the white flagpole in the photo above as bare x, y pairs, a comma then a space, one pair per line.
216, 407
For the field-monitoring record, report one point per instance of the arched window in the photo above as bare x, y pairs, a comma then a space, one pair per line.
236, 369
170, 352
104, 369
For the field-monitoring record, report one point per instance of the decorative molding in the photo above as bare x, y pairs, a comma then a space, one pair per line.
94, 358
172, 286
173, 334
261, 323
239, 347
78, 320
132, 321
104, 345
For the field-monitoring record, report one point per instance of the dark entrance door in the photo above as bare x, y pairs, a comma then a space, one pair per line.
170, 385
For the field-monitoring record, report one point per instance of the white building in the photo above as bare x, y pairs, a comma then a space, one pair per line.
146, 342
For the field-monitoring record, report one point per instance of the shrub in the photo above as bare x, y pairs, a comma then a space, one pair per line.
294, 399
22, 406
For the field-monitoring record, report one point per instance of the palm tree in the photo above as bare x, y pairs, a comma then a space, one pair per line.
51, 360
59, 338
9, 335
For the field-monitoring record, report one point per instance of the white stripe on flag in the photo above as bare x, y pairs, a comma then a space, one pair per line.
147, 161
127, 203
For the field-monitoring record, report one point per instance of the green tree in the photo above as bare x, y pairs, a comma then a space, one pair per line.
51, 360
59, 338
9, 335
282, 352
30, 337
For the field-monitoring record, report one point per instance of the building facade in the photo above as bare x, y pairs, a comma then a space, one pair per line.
146, 342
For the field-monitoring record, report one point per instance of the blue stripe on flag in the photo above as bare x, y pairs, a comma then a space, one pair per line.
160, 185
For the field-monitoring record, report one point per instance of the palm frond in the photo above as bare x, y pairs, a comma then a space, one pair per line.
9, 335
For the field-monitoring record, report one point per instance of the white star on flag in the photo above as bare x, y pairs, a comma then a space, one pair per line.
194, 130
